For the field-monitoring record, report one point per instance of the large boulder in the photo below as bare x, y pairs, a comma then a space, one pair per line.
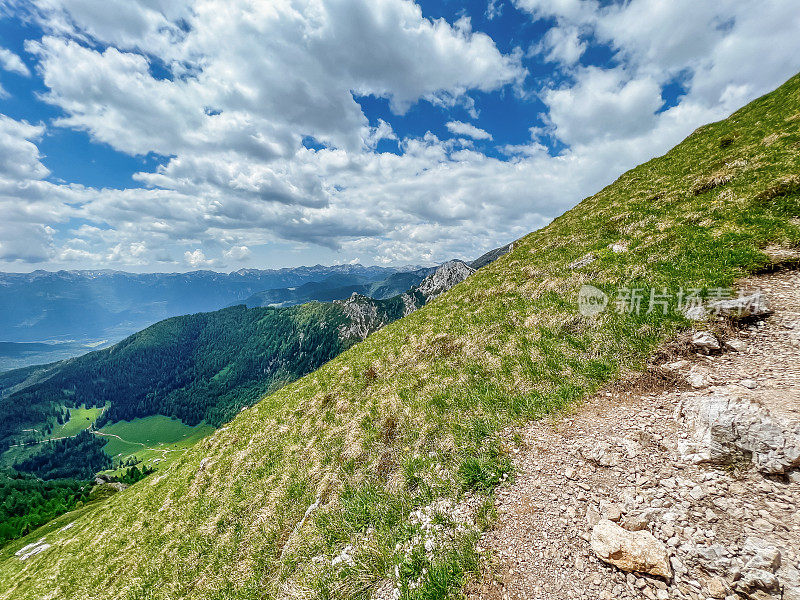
725, 430
635, 551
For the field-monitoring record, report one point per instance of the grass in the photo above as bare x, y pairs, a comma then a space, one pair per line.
333, 486
79, 419
151, 437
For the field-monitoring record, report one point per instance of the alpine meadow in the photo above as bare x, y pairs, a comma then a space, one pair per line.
399, 300
350, 481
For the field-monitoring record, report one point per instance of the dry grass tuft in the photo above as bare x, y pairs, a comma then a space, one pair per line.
709, 183
371, 374
772, 138
443, 345
782, 187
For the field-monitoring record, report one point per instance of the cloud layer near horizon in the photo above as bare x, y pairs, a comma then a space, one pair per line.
230, 92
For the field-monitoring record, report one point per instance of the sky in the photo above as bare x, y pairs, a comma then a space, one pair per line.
173, 135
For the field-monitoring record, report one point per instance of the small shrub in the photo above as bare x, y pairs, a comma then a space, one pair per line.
371, 375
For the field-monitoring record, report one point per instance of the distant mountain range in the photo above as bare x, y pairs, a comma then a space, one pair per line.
89, 306
205, 367
338, 287
47, 316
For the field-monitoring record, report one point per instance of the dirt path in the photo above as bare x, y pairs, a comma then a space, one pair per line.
114, 435
622, 457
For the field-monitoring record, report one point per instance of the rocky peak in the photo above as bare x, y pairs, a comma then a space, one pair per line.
363, 315
444, 278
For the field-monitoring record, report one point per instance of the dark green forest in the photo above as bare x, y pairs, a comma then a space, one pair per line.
78, 457
27, 502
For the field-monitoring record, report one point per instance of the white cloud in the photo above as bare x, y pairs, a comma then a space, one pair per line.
12, 63
197, 259
240, 96
603, 104
230, 100
238, 253
25, 242
563, 45
571, 10
275, 72
713, 46
494, 9
467, 129
19, 156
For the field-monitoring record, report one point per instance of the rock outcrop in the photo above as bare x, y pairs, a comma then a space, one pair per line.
727, 430
366, 315
444, 278
363, 315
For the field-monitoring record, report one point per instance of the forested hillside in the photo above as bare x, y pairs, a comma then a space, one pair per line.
27, 502
202, 367
78, 457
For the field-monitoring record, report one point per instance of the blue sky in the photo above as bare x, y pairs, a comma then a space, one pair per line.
148, 135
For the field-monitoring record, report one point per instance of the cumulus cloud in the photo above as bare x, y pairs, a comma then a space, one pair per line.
12, 63
563, 45
227, 104
238, 253
712, 47
603, 104
197, 259
25, 242
271, 73
468, 130
19, 155
234, 101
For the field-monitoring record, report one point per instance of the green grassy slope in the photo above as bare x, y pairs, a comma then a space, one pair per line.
80, 418
151, 438
411, 414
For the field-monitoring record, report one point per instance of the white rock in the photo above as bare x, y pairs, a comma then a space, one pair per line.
677, 365
736, 345
632, 551
699, 377
584, 261
753, 305
695, 313
725, 430
750, 384
705, 340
